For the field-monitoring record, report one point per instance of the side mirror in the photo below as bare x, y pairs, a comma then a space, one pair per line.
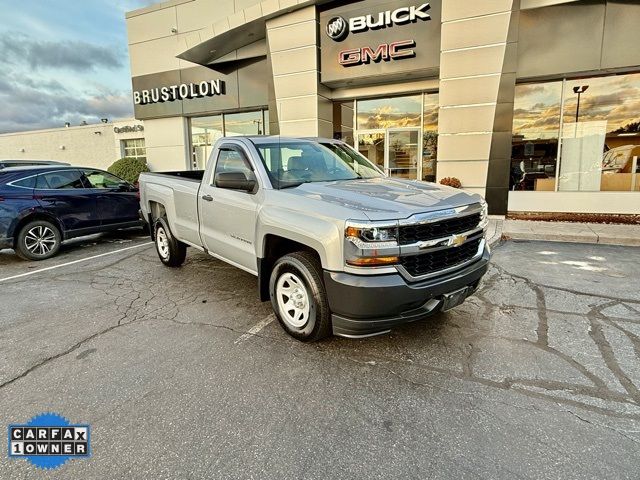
234, 181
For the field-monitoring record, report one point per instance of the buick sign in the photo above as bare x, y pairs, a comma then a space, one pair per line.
338, 28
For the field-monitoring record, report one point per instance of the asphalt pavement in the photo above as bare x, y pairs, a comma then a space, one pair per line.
183, 373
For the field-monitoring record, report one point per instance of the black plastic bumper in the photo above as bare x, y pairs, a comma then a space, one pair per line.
366, 305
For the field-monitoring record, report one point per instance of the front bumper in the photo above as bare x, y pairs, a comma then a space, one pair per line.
368, 305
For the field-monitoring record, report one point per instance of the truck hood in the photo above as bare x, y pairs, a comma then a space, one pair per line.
385, 198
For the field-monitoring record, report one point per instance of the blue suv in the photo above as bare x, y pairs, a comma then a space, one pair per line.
40, 206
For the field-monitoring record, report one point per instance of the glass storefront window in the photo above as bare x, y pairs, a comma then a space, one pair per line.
247, 123
372, 146
206, 130
399, 134
597, 122
389, 112
601, 134
204, 133
536, 129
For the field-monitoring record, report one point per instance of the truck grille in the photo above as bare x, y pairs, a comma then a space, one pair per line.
428, 231
431, 262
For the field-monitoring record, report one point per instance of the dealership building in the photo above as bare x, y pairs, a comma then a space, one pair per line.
88, 145
534, 104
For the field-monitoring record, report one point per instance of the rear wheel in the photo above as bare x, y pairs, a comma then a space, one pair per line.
38, 240
298, 297
172, 252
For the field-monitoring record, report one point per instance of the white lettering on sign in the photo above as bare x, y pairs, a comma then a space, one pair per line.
338, 28
171, 93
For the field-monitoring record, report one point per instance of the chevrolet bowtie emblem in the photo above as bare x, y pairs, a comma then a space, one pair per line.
457, 240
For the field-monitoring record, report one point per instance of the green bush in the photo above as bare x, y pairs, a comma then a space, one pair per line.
129, 168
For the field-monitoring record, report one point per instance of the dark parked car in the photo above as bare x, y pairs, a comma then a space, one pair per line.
27, 163
41, 206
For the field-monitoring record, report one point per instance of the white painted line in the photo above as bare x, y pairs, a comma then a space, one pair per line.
73, 263
255, 329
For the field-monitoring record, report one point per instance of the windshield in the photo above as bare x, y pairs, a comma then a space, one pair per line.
290, 164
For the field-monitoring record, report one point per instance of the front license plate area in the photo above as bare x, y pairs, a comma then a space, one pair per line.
453, 299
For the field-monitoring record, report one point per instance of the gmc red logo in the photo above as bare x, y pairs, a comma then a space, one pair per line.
382, 53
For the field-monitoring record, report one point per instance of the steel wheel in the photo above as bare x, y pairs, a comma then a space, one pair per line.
293, 300
40, 240
162, 242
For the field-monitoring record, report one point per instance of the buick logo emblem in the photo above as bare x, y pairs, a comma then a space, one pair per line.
337, 29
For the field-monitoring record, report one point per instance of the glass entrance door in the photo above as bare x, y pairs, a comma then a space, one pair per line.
396, 151
403, 150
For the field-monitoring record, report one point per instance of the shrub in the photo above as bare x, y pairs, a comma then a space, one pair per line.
129, 169
451, 181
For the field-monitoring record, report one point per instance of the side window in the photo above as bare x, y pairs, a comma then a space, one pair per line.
60, 180
232, 160
99, 179
29, 182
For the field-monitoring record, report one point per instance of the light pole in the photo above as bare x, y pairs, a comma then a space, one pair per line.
579, 91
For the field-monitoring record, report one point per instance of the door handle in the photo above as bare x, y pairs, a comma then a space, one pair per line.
208, 198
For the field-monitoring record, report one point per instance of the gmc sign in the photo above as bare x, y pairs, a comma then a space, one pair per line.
382, 53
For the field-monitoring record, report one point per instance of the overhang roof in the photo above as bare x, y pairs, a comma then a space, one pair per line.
241, 29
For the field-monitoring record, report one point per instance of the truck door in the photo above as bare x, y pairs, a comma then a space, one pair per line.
228, 213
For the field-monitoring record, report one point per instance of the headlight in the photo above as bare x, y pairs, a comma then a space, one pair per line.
484, 219
373, 233
371, 244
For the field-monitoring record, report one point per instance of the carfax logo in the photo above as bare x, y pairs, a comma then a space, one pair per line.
49, 440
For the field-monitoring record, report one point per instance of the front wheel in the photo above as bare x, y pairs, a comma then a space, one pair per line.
172, 252
38, 240
299, 298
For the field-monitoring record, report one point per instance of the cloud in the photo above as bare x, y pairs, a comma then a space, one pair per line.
78, 56
30, 104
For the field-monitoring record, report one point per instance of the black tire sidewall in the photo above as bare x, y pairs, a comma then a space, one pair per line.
176, 250
289, 264
23, 251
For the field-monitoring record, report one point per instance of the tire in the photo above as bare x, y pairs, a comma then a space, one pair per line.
301, 274
171, 251
38, 240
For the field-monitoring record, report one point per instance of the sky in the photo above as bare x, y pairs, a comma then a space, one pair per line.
64, 61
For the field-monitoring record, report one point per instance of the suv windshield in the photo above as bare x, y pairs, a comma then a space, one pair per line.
290, 164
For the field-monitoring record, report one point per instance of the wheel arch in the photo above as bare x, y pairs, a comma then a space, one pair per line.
274, 247
33, 216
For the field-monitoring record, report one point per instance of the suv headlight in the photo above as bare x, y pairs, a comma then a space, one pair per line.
371, 244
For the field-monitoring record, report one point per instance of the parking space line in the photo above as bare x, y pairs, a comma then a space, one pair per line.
73, 262
255, 329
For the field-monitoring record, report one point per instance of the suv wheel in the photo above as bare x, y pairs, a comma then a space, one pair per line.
171, 251
298, 297
38, 240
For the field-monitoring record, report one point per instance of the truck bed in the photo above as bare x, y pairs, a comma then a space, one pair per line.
195, 175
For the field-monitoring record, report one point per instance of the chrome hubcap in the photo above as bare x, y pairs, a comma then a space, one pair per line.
162, 242
40, 240
293, 300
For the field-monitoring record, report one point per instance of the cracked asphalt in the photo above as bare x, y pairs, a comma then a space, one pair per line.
536, 376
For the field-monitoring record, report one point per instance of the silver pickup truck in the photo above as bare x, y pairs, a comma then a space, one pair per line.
337, 246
